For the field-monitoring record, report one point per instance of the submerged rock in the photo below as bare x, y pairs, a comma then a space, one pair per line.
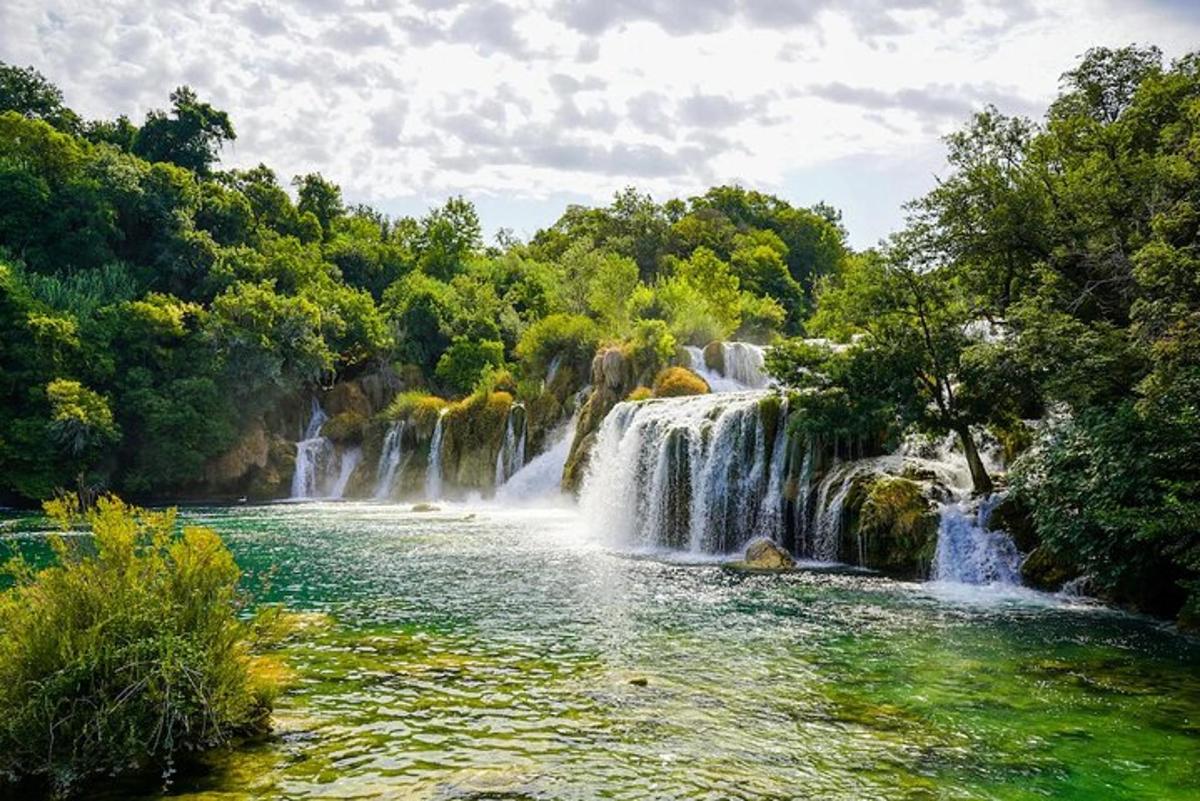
425, 507
764, 554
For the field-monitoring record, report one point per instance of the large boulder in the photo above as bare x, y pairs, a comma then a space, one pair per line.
895, 530
764, 554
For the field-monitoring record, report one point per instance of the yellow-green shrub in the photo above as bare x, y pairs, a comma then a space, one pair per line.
419, 408
673, 382
124, 655
640, 393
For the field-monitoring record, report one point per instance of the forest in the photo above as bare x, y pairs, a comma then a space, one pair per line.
1045, 293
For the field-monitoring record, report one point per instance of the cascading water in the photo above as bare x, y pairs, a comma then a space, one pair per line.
968, 552
511, 456
321, 470
314, 453
391, 458
684, 473
433, 473
743, 367
541, 478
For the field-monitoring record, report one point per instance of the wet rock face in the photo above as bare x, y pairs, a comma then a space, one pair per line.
764, 554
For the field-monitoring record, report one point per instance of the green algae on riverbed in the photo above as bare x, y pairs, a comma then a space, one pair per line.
496, 657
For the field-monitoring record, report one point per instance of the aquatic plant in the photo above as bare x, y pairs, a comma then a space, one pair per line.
128, 654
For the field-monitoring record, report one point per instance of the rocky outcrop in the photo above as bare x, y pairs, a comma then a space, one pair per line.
612, 380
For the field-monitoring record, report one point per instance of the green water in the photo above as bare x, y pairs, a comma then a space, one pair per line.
504, 656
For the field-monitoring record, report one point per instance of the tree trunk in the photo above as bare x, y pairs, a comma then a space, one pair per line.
981, 481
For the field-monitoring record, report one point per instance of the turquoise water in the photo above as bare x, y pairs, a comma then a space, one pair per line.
479, 653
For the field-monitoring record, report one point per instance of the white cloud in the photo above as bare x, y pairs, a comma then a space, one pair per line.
525, 102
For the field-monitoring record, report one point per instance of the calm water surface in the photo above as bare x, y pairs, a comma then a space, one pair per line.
480, 653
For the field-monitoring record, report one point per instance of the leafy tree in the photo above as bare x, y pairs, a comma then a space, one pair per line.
27, 92
190, 136
321, 198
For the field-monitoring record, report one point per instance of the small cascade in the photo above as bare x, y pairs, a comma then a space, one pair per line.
744, 364
542, 478
314, 455
321, 470
391, 458
433, 473
771, 510
684, 473
511, 456
968, 552
743, 367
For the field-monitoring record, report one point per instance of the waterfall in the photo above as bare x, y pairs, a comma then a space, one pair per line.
682, 473
391, 457
321, 470
968, 552
314, 454
743, 367
542, 478
744, 364
433, 473
771, 510
511, 456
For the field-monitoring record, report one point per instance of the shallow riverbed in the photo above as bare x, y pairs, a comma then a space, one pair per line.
487, 653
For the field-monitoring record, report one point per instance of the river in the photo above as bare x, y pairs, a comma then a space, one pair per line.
481, 652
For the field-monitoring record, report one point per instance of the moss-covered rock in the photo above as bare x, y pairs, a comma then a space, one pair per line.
714, 357
896, 528
640, 393
675, 382
473, 432
1014, 518
345, 428
346, 397
1044, 570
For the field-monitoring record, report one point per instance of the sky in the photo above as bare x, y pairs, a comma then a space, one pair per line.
524, 107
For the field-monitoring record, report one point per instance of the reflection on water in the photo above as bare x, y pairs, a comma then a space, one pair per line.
482, 653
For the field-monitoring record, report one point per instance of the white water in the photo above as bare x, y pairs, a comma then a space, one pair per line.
541, 479
684, 473
314, 454
743, 367
968, 552
511, 456
322, 471
433, 473
391, 458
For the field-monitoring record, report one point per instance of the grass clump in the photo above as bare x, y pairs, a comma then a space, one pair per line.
126, 655
419, 408
640, 393
674, 382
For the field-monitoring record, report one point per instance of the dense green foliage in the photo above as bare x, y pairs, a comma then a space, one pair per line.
151, 303
126, 655
1053, 274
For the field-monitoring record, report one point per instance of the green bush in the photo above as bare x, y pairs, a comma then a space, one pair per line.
572, 338
639, 393
126, 656
465, 361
